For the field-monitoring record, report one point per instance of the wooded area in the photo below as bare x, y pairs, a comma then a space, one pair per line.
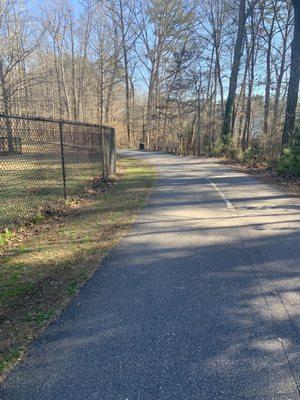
216, 76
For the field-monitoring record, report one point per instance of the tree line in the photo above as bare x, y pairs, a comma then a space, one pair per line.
215, 76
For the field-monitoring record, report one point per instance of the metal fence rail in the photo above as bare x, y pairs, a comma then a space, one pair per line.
45, 161
181, 147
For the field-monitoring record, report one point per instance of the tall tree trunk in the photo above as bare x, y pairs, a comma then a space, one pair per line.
73, 73
218, 69
238, 51
293, 88
149, 108
241, 104
63, 81
241, 115
198, 122
246, 131
60, 100
268, 78
113, 75
6, 108
252, 56
281, 74
126, 66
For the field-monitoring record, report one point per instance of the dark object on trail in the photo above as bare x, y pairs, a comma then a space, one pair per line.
11, 145
141, 146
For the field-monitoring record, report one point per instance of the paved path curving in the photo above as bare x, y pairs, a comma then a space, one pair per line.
200, 301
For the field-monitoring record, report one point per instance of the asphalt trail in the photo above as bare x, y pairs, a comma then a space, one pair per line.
200, 301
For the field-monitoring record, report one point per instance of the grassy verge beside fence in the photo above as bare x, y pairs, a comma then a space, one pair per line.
26, 184
42, 267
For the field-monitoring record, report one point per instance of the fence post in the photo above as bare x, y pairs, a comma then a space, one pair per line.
104, 156
63, 168
113, 150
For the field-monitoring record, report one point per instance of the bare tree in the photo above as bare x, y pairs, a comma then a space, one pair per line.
238, 51
160, 70
16, 47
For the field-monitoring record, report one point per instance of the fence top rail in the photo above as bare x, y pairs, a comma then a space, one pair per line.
57, 121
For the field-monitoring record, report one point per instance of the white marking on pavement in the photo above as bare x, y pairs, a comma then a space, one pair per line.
228, 203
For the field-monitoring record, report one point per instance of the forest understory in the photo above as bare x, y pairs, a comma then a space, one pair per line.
214, 77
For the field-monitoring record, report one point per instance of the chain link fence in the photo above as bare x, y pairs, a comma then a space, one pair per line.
45, 161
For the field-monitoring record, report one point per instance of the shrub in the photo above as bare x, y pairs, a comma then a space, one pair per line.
254, 153
250, 154
229, 150
218, 149
289, 162
232, 151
